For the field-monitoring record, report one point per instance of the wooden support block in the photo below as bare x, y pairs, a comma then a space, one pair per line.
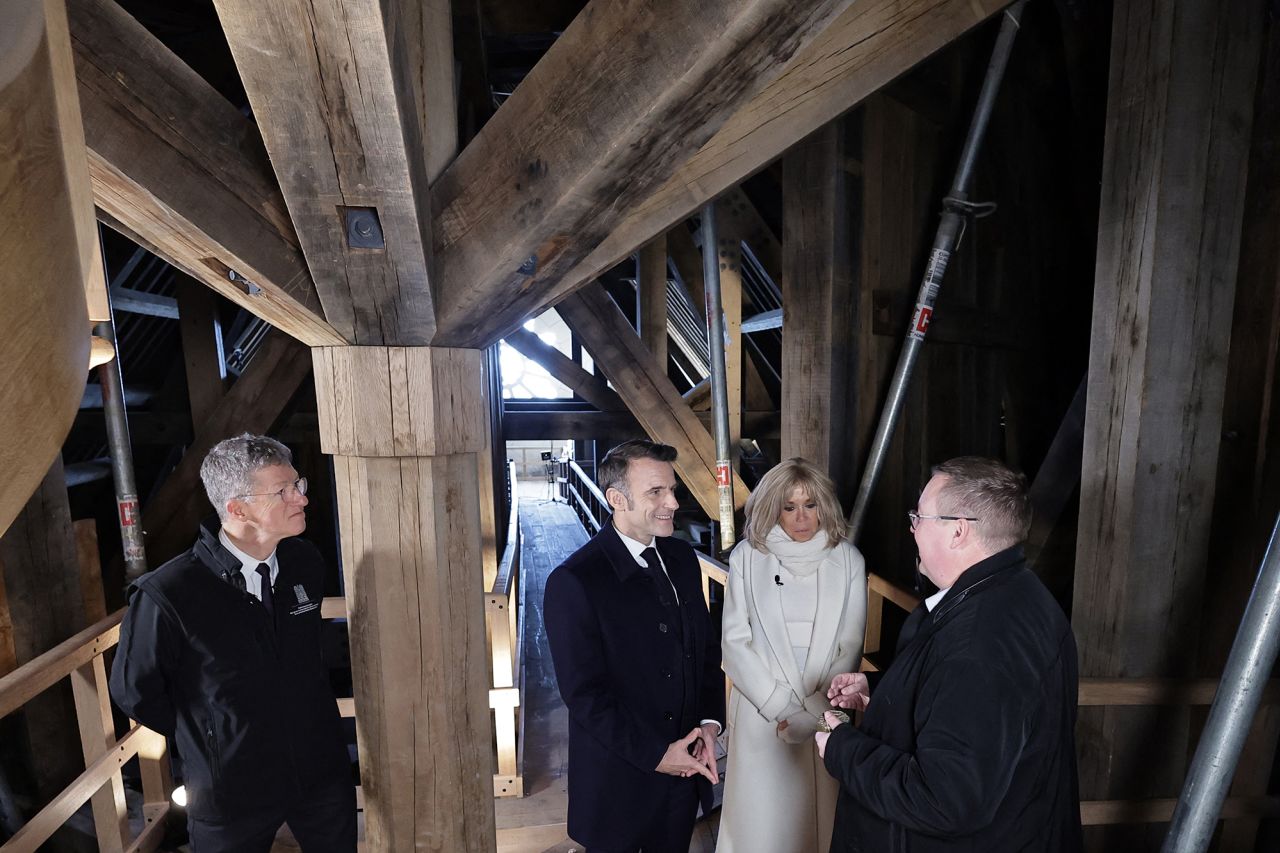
399, 401
97, 737
653, 297
513, 786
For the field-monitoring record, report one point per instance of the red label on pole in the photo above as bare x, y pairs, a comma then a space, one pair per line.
128, 510
722, 473
923, 315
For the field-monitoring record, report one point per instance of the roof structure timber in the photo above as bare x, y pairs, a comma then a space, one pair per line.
863, 49
179, 170
597, 126
355, 101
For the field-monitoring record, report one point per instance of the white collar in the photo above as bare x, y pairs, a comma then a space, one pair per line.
637, 548
932, 601
248, 564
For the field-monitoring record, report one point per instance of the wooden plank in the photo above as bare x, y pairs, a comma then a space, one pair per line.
644, 106
253, 404
179, 170
644, 387
40, 673
355, 101
653, 297
1109, 812
44, 327
411, 559
91, 592
1159, 691
819, 300
1180, 108
586, 385
202, 352
97, 737
870, 44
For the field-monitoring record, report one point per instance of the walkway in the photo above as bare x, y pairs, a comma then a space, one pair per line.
535, 823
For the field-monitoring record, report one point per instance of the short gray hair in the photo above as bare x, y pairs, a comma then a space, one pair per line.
228, 469
989, 491
612, 472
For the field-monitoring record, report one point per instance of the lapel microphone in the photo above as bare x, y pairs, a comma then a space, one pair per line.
777, 579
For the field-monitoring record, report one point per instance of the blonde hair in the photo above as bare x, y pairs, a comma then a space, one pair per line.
764, 506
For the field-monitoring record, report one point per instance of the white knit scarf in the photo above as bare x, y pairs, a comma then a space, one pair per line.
798, 558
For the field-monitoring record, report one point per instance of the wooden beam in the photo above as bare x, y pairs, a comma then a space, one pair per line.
44, 325
179, 170
588, 386
729, 261
404, 425
653, 297
531, 425
1179, 114
871, 43
202, 352
355, 102
253, 404
511, 220
819, 298
648, 393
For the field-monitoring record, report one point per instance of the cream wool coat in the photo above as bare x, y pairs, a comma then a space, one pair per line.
778, 796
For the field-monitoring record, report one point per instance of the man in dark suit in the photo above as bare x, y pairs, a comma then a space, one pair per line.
638, 666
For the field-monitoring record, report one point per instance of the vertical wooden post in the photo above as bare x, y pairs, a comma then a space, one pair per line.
91, 591
1179, 113
653, 297
202, 350
404, 426
818, 299
97, 733
730, 259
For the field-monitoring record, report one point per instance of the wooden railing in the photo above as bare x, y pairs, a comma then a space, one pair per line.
81, 659
1111, 692
502, 619
584, 497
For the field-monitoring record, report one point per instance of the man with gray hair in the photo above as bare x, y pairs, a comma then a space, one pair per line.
220, 652
969, 743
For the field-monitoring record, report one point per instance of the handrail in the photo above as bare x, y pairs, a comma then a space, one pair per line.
591, 487
42, 672
502, 621
892, 592
713, 569
503, 579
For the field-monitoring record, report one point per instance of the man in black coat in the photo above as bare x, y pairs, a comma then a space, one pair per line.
220, 652
638, 666
968, 744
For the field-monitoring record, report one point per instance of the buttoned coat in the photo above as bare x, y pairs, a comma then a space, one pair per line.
778, 796
636, 673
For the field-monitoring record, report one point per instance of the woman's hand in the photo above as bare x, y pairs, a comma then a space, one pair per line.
782, 726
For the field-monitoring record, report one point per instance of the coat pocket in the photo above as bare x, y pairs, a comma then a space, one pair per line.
211, 748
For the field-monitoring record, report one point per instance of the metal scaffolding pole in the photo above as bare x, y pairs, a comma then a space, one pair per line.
128, 512
1253, 654
956, 207
719, 380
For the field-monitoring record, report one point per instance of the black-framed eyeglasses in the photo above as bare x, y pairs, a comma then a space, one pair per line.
297, 488
914, 518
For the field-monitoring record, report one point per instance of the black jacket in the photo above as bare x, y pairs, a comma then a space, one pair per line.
634, 679
250, 708
968, 744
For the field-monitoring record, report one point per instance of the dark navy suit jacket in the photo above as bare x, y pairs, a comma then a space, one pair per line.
636, 671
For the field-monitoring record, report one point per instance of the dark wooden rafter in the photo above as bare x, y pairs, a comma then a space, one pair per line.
868, 45
543, 425
179, 170
512, 219
355, 100
253, 404
643, 385
565, 370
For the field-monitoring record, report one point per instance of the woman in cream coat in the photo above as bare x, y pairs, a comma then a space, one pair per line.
794, 616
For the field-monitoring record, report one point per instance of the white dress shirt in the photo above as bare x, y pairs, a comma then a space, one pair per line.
249, 566
932, 601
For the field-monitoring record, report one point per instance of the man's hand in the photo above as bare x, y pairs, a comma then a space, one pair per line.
704, 749
850, 690
678, 762
820, 738
833, 722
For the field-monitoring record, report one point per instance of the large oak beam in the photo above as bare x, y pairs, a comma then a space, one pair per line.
550, 176
867, 46
1179, 113
179, 170
643, 385
355, 102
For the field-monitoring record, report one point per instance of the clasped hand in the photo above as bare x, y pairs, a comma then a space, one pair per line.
848, 690
680, 761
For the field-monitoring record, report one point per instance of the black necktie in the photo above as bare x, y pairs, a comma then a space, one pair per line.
268, 598
650, 556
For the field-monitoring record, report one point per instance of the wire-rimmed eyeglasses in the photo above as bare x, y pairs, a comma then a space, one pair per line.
296, 489
914, 518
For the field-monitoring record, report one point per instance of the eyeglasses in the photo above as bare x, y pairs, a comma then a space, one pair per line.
914, 518
297, 488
